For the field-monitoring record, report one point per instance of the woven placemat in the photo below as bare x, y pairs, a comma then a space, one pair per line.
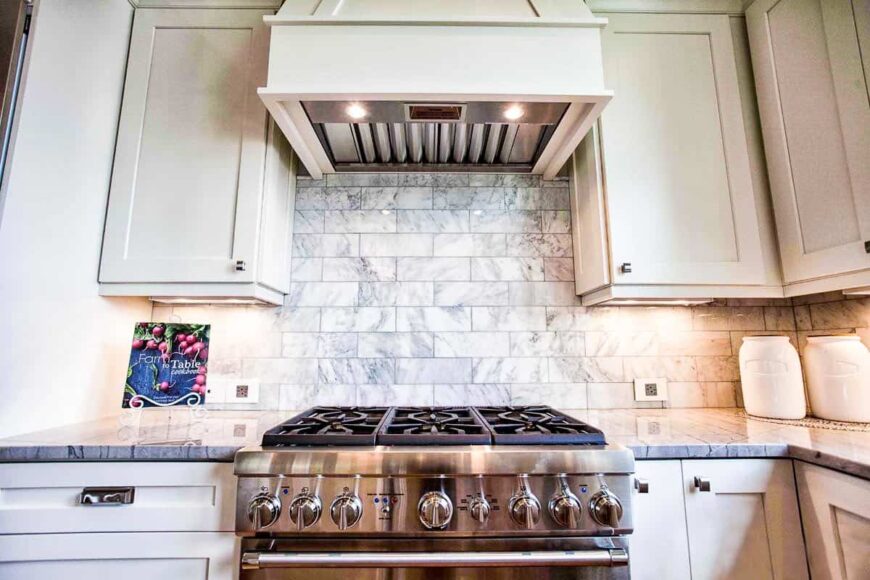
813, 423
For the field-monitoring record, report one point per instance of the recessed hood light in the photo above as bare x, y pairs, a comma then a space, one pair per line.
356, 111
513, 113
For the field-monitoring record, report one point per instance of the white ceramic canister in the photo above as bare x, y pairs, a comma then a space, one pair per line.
770, 374
838, 377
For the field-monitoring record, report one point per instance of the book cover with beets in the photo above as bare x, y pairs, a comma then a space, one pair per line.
167, 365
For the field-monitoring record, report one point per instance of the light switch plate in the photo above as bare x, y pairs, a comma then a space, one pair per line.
651, 389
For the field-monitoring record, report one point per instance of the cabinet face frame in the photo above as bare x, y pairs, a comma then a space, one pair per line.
116, 265
841, 37
748, 268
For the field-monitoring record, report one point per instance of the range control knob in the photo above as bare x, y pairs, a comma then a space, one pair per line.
606, 508
305, 510
263, 510
525, 509
565, 509
346, 510
435, 510
479, 509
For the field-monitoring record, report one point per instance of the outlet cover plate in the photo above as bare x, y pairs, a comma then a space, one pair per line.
242, 391
651, 389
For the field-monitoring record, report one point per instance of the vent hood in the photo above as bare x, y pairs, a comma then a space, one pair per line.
437, 85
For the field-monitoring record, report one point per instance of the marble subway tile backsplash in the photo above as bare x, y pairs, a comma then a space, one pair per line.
452, 289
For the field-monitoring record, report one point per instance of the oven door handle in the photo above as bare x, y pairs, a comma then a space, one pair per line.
258, 560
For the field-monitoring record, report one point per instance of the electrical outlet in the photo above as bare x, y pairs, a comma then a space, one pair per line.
650, 389
243, 391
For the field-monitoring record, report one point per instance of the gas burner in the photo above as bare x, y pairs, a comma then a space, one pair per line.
433, 425
537, 425
329, 426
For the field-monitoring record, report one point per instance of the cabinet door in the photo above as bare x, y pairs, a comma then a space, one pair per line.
659, 546
189, 162
145, 556
677, 174
747, 526
815, 113
835, 509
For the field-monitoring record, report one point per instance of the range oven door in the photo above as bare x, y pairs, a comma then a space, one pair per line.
431, 559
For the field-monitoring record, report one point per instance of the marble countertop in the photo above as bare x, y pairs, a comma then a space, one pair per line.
202, 435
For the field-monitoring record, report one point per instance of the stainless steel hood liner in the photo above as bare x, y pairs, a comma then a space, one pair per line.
490, 85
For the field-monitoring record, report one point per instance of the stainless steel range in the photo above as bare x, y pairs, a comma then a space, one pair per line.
420, 493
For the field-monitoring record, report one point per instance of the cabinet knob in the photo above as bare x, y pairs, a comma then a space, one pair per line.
241, 266
625, 268
867, 246
641, 485
702, 483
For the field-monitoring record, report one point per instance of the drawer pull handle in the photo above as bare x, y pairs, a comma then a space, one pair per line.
104, 496
641, 485
702, 483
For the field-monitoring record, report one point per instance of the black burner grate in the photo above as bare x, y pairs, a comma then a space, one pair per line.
433, 426
537, 426
329, 426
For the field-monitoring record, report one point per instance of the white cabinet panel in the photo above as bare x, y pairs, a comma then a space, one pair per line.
747, 526
44, 497
195, 153
815, 112
676, 167
659, 546
835, 509
144, 556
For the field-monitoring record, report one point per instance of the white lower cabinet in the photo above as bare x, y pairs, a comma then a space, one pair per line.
142, 556
835, 509
659, 545
746, 524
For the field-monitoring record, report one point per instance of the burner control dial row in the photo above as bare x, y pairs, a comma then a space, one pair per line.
435, 510
565, 509
525, 509
346, 510
305, 510
479, 509
264, 509
606, 508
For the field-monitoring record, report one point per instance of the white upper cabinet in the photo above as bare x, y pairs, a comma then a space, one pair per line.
815, 112
201, 195
667, 193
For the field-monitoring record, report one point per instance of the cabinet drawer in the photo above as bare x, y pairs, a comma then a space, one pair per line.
47, 497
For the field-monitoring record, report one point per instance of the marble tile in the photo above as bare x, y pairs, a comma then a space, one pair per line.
507, 222
471, 293
508, 318
359, 269
319, 345
434, 319
718, 368
325, 245
468, 394
473, 344
322, 294
393, 345
557, 395
395, 395
802, 318
833, 296
539, 245
296, 397
434, 179
396, 293
470, 245
358, 371
545, 198
306, 269
842, 314
509, 370
694, 394
426, 269
368, 319
429, 370
547, 344
543, 294
506, 269
779, 318
327, 198
360, 221
432, 221
672, 368
308, 181
469, 197
297, 319
570, 318
556, 222
504, 180
396, 245
308, 222
362, 179
559, 269
396, 198
727, 318
701, 343
280, 370
622, 343
581, 370
615, 396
